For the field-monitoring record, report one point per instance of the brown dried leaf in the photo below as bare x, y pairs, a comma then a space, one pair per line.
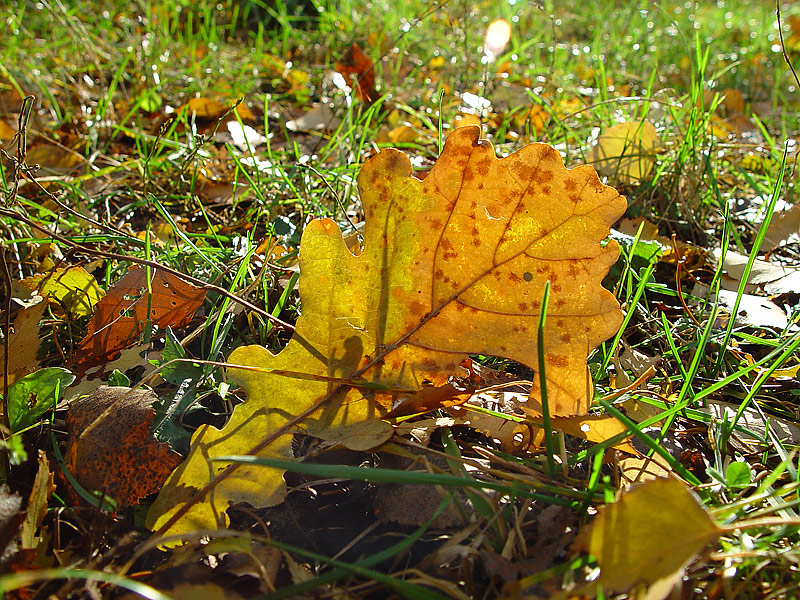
23, 343
356, 64
121, 315
111, 447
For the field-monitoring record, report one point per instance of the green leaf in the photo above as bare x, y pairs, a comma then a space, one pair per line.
33, 395
169, 411
177, 372
738, 474
118, 378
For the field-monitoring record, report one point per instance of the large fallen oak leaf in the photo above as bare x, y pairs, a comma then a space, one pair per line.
452, 265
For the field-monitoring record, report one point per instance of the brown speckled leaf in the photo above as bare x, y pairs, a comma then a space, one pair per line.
111, 447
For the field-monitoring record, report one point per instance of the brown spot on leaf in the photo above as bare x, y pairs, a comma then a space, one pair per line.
416, 308
557, 360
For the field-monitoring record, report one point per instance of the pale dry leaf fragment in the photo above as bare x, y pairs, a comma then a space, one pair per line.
24, 342
452, 265
43, 488
784, 228
319, 117
626, 152
648, 536
772, 277
783, 429
638, 469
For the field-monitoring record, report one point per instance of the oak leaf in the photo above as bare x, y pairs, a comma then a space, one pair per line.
451, 265
121, 315
111, 447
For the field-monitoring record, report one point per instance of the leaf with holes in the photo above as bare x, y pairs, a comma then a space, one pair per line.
452, 265
121, 315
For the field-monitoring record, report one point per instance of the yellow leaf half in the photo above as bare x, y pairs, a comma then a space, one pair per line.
452, 265
649, 534
626, 152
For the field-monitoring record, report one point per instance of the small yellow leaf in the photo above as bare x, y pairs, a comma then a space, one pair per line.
626, 152
651, 533
437, 62
72, 288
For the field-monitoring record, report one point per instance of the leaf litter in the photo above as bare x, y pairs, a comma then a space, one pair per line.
491, 549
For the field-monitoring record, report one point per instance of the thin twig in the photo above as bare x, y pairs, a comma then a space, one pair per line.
783, 46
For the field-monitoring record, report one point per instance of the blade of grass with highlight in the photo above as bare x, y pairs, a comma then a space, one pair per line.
548, 429
379, 475
15, 581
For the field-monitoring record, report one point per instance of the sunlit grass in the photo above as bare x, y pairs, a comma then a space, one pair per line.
110, 82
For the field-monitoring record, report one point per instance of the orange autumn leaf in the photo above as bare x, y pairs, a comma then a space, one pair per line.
211, 110
357, 65
121, 315
111, 447
450, 266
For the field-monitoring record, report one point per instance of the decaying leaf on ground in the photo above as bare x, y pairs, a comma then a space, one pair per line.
452, 265
130, 303
648, 536
111, 447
